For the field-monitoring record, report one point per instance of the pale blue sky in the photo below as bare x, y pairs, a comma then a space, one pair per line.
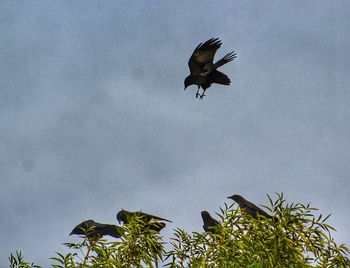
93, 116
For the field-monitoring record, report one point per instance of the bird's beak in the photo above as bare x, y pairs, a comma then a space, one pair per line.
229, 197
185, 88
71, 233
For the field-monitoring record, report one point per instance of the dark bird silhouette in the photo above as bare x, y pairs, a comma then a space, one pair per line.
203, 70
152, 222
210, 224
249, 207
92, 229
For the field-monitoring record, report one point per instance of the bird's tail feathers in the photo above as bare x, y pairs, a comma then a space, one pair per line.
219, 78
111, 230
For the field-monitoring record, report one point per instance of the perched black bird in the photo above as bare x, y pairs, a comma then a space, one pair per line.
210, 224
93, 229
203, 71
152, 222
249, 207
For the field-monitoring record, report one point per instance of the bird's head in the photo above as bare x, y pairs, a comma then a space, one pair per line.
237, 198
77, 231
189, 80
205, 215
122, 216
82, 228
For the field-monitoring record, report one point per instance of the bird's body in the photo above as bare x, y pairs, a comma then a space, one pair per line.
210, 225
93, 229
152, 222
203, 70
249, 207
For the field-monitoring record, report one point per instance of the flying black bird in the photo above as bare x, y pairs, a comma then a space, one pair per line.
93, 229
152, 222
210, 224
249, 207
203, 71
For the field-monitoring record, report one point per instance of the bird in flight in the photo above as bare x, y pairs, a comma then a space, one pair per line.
210, 225
203, 70
152, 222
249, 207
92, 229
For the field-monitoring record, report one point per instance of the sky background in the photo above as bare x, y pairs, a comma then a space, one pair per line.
94, 118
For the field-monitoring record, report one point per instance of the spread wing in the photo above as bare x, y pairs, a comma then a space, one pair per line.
204, 53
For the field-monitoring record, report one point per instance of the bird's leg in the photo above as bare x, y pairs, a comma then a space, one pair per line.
197, 94
201, 96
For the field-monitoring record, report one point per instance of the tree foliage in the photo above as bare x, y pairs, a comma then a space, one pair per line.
294, 237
